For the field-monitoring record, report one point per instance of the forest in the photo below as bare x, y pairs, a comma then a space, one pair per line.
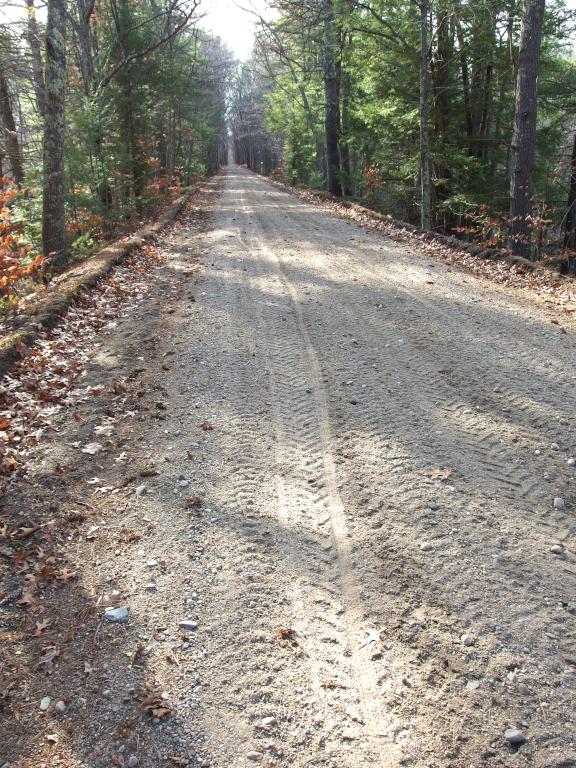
107, 110
456, 116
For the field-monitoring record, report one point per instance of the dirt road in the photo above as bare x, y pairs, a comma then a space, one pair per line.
358, 452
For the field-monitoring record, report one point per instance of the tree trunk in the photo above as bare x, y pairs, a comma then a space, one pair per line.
12, 143
37, 67
570, 221
332, 97
524, 136
344, 144
54, 238
425, 193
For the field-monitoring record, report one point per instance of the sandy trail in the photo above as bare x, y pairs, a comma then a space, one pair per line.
372, 437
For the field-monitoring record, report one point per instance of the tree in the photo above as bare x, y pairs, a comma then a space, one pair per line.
524, 136
425, 202
9, 129
54, 236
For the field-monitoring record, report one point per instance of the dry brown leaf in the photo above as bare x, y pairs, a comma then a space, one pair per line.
41, 626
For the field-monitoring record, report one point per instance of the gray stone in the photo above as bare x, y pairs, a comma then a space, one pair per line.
557, 549
571, 462
142, 490
268, 722
116, 615
60, 707
558, 502
433, 505
133, 761
188, 626
467, 640
255, 756
184, 483
514, 737
45, 703
426, 546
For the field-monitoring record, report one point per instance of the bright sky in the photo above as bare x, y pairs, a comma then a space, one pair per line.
234, 24
229, 19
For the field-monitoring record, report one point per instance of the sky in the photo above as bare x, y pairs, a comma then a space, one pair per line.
233, 22
229, 19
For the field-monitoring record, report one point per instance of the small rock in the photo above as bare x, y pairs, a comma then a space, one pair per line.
188, 626
467, 640
558, 502
255, 756
132, 761
184, 483
557, 549
426, 546
117, 615
433, 505
353, 401
571, 462
152, 563
60, 707
142, 490
45, 703
514, 737
555, 447
151, 586
268, 722
472, 685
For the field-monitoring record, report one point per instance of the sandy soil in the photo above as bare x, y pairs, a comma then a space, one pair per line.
357, 451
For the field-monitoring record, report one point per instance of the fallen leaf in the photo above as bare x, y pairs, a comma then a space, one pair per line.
65, 575
436, 473
46, 660
92, 448
26, 599
41, 626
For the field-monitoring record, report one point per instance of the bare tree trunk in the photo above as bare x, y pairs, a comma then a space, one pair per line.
425, 194
570, 222
332, 96
524, 137
37, 66
9, 124
54, 238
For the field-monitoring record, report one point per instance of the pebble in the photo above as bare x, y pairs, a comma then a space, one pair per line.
571, 462
514, 737
133, 761
184, 483
467, 640
558, 502
142, 490
433, 505
557, 549
60, 707
151, 586
555, 447
353, 401
255, 756
425, 546
152, 563
45, 703
117, 615
189, 626
268, 722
